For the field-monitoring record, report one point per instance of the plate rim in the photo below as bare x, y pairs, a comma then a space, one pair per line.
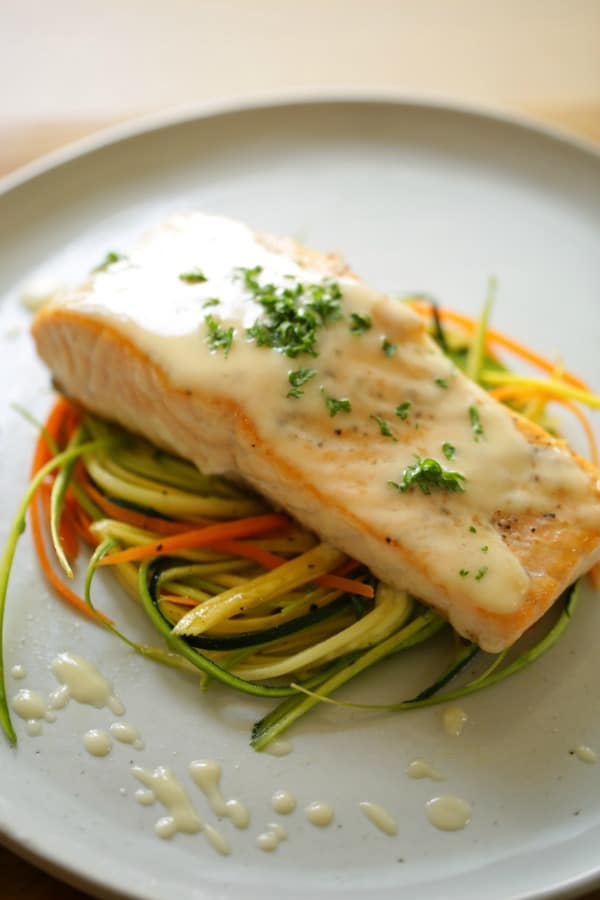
272, 100
279, 100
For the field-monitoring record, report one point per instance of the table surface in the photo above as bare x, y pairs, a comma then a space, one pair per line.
24, 142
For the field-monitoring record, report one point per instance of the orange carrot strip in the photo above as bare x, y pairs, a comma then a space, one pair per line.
346, 584
515, 392
180, 601
203, 537
137, 519
587, 427
501, 339
41, 455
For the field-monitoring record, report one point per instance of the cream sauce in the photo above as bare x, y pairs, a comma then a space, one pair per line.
83, 682
126, 734
40, 291
448, 813
97, 742
181, 815
206, 773
145, 797
586, 754
18, 672
283, 802
29, 704
279, 747
145, 300
270, 839
454, 719
319, 813
420, 768
379, 816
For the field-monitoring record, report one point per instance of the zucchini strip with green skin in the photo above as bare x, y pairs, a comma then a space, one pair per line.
10, 546
57, 498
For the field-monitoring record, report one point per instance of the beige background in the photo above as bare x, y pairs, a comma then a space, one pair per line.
69, 67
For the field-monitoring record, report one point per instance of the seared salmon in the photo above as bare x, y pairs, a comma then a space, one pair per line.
260, 360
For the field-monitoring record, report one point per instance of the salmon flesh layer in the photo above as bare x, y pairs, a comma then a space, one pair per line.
258, 359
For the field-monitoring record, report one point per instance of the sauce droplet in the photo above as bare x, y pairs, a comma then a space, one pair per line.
454, 719
270, 839
420, 768
145, 797
126, 734
18, 672
448, 813
97, 743
283, 802
319, 813
206, 773
181, 815
29, 704
586, 754
279, 748
84, 683
379, 816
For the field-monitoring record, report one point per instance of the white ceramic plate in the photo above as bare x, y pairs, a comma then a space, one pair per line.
415, 197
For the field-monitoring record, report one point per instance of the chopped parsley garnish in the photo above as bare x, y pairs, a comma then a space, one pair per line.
212, 301
463, 573
428, 474
384, 428
218, 338
485, 548
402, 409
298, 378
388, 348
475, 422
195, 276
360, 323
336, 406
472, 529
108, 260
442, 382
449, 450
482, 573
292, 315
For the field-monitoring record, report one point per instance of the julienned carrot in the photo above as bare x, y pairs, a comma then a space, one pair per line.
43, 452
201, 537
137, 519
269, 560
517, 392
424, 309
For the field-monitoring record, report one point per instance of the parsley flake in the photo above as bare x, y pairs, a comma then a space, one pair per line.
388, 348
449, 450
297, 379
108, 260
485, 548
442, 383
195, 276
472, 529
482, 573
476, 425
336, 406
384, 428
428, 474
360, 323
212, 301
463, 573
402, 409
293, 315
218, 338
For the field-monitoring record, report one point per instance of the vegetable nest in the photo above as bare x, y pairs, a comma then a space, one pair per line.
283, 615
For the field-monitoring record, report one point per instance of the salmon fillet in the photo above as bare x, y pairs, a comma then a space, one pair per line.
258, 359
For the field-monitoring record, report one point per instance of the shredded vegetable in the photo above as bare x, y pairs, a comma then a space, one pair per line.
243, 595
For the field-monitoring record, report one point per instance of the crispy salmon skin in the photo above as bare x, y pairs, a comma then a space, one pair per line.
258, 359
